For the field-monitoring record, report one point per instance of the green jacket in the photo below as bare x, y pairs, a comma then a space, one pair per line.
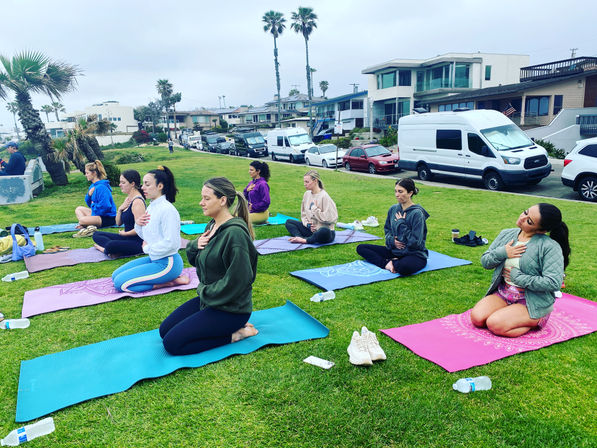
541, 269
226, 268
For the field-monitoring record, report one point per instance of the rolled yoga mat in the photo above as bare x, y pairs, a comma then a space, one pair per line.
58, 380
282, 243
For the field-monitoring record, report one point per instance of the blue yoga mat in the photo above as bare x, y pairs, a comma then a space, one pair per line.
56, 228
58, 380
195, 229
362, 273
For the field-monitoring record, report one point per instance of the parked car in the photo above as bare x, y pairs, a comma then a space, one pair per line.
324, 155
250, 144
372, 158
216, 143
580, 169
194, 141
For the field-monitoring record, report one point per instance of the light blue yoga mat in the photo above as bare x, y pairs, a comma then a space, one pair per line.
195, 229
362, 273
58, 228
58, 380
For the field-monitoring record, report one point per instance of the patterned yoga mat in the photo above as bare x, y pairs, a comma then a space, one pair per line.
282, 243
453, 343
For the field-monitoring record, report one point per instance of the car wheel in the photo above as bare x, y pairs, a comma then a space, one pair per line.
307, 161
291, 158
423, 172
324, 164
587, 188
347, 166
274, 156
372, 169
493, 181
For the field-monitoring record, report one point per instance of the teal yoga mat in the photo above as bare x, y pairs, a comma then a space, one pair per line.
58, 380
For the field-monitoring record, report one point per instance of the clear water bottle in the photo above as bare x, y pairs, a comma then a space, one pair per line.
322, 296
466, 385
12, 324
189, 221
15, 276
39, 240
29, 432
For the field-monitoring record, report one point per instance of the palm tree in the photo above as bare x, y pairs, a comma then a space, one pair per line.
12, 108
81, 145
323, 85
57, 107
165, 89
175, 98
274, 23
304, 23
313, 70
47, 109
33, 72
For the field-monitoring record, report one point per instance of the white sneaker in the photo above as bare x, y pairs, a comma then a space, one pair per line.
375, 351
357, 351
356, 225
371, 221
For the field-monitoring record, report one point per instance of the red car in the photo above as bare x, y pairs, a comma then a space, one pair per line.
372, 158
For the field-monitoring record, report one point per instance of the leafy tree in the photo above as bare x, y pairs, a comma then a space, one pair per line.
293, 92
323, 85
141, 137
33, 72
13, 109
165, 90
274, 23
304, 22
47, 109
57, 107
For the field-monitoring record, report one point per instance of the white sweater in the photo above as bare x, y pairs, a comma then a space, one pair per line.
162, 233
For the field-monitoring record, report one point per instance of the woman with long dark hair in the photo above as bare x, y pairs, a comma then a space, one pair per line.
257, 192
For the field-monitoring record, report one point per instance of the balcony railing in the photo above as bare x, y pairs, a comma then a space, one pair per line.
558, 68
588, 124
386, 121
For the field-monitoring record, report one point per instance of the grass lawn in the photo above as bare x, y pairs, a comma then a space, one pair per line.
270, 397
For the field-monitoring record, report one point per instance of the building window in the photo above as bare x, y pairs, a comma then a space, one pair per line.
357, 104
385, 80
557, 103
488, 73
404, 77
454, 106
537, 106
344, 105
462, 75
420, 81
448, 139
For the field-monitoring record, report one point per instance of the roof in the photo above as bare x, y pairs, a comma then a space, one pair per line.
343, 98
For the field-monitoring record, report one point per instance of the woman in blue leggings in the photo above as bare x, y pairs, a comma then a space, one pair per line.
226, 262
159, 227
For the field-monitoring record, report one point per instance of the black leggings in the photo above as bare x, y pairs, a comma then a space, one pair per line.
190, 329
115, 244
380, 255
321, 236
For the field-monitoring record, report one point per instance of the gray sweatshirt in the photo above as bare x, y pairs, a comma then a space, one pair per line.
411, 230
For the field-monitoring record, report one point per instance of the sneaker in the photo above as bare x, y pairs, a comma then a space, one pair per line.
356, 225
371, 221
357, 351
375, 351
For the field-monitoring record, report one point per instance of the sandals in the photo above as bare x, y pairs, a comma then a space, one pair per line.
56, 249
84, 232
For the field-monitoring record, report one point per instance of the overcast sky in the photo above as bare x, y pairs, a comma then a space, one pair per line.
211, 49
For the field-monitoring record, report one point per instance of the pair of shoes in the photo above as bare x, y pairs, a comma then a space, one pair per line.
55, 249
371, 221
356, 225
85, 231
364, 348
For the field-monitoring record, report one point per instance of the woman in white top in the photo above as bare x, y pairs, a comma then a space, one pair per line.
159, 227
318, 214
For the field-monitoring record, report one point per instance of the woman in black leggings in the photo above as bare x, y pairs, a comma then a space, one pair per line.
406, 231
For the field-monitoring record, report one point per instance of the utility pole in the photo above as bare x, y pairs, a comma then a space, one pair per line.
219, 102
355, 87
224, 99
573, 53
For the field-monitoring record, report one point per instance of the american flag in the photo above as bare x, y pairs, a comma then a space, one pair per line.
509, 110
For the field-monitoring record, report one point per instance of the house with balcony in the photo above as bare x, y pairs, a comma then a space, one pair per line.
344, 112
201, 119
398, 86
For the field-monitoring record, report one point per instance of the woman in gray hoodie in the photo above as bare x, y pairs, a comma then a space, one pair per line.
406, 232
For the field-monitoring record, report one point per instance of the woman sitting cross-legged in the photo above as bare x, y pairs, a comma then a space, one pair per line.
406, 232
126, 242
528, 269
257, 192
318, 214
102, 210
226, 262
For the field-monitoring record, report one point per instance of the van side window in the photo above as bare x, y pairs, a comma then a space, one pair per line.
448, 139
476, 144
280, 141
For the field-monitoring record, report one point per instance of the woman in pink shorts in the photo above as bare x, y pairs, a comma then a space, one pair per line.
528, 270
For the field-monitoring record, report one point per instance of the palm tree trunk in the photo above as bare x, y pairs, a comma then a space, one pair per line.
14, 117
277, 80
174, 109
309, 85
36, 132
95, 147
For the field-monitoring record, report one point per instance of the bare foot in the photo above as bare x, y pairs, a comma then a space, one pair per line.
297, 240
246, 332
79, 226
181, 280
100, 248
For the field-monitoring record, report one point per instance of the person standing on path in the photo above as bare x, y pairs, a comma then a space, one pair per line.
170, 146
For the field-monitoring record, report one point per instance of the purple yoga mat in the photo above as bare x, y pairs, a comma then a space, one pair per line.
72, 257
453, 343
88, 292
282, 243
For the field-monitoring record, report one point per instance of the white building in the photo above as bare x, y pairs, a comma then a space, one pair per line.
121, 116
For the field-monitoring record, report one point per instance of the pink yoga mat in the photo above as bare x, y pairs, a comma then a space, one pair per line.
88, 292
453, 343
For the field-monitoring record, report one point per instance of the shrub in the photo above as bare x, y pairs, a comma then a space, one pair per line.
391, 138
162, 137
28, 150
113, 173
130, 157
342, 142
141, 137
552, 151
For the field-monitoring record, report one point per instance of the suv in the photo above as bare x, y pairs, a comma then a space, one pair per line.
580, 169
250, 144
216, 143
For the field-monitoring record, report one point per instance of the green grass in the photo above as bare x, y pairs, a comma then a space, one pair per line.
270, 397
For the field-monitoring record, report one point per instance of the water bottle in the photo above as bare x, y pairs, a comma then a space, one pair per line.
39, 241
11, 324
15, 276
322, 296
466, 385
29, 432
190, 221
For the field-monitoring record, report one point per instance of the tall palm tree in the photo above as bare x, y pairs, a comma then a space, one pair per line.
175, 98
274, 23
47, 109
165, 89
313, 70
304, 22
12, 108
57, 107
33, 72
324, 85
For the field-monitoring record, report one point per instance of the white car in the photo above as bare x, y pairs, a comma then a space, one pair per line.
324, 155
580, 169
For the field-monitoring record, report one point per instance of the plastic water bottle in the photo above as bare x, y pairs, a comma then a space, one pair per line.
15, 276
190, 221
322, 296
466, 385
39, 240
11, 324
29, 432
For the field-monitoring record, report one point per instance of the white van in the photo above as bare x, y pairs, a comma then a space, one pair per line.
478, 144
194, 141
288, 143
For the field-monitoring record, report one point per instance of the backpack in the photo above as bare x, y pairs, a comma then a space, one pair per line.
20, 252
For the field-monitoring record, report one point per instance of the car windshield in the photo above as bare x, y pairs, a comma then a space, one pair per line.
504, 138
300, 139
255, 140
376, 151
211, 139
221, 140
326, 149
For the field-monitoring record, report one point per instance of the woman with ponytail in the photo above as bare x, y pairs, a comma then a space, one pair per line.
99, 197
226, 262
528, 270
257, 192
159, 228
